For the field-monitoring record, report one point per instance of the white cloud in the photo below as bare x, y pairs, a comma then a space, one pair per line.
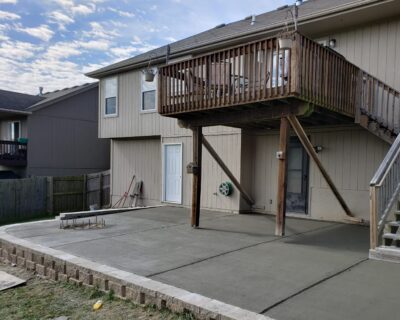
42, 32
83, 9
60, 18
170, 39
136, 40
122, 13
76, 9
62, 50
17, 50
95, 44
5, 15
8, 1
97, 30
122, 53
118, 24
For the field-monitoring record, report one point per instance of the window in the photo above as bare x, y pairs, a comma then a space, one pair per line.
110, 95
15, 130
149, 94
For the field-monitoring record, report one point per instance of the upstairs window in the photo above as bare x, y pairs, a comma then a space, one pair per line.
110, 95
15, 130
149, 94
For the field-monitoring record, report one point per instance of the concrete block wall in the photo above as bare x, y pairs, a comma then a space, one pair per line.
58, 266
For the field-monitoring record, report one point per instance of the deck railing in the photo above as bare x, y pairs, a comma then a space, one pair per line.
256, 72
384, 191
327, 78
238, 75
380, 102
13, 153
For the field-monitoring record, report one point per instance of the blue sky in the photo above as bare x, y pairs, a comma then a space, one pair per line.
52, 43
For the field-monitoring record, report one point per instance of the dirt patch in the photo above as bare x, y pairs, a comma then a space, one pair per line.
45, 299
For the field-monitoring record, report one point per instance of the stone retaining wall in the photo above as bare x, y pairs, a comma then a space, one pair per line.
59, 266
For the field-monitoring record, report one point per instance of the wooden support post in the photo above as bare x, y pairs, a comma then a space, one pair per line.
84, 192
101, 190
373, 223
294, 122
230, 175
282, 177
196, 189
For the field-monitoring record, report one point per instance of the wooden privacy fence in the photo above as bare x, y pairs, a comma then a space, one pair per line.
77, 193
24, 199
98, 189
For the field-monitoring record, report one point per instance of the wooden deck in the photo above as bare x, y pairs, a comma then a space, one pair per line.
13, 153
266, 79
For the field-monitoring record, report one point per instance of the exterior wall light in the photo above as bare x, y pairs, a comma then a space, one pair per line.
332, 43
318, 149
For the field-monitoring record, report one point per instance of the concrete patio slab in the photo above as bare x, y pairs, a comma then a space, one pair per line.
265, 274
368, 291
232, 258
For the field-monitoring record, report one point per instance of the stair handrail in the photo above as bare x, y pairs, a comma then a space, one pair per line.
384, 191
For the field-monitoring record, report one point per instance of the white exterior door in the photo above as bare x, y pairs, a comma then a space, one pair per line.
173, 173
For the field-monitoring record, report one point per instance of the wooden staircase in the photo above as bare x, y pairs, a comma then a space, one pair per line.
391, 237
390, 248
378, 128
384, 196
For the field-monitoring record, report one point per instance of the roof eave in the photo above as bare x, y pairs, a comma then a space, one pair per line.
19, 112
103, 72
44, 103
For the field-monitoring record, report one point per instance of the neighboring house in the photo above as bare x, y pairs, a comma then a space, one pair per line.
52, 134
343, 87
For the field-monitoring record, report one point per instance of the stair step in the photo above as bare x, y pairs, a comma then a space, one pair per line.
391, 240
394, 226
397, 215
385, 254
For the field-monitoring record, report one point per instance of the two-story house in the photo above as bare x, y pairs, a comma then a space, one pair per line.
295, 120
51, 134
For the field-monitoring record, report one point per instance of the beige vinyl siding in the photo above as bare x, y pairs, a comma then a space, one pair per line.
141, 157
228, 147
131, 121
374, 48
350, 155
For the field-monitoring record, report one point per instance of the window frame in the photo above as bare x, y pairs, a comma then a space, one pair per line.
105, 114
12, 129
143, 91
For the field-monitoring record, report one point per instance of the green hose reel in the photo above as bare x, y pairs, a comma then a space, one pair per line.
225, 188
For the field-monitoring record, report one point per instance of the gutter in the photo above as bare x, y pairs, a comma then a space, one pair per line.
239, 39
15, 111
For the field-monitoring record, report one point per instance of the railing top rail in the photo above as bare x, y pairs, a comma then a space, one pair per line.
12, 142
386, 164
236, 46
396, 92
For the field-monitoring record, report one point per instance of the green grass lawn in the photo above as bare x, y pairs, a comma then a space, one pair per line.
45, 299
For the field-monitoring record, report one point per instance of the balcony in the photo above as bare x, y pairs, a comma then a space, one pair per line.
254, 83
13, 153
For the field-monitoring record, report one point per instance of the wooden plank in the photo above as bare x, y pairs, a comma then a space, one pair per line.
241, 117
373, 219
282, 177
196, 187
294, 122
230, 175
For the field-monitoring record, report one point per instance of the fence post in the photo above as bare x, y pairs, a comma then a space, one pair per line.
100, 190
50, 196
84, 192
